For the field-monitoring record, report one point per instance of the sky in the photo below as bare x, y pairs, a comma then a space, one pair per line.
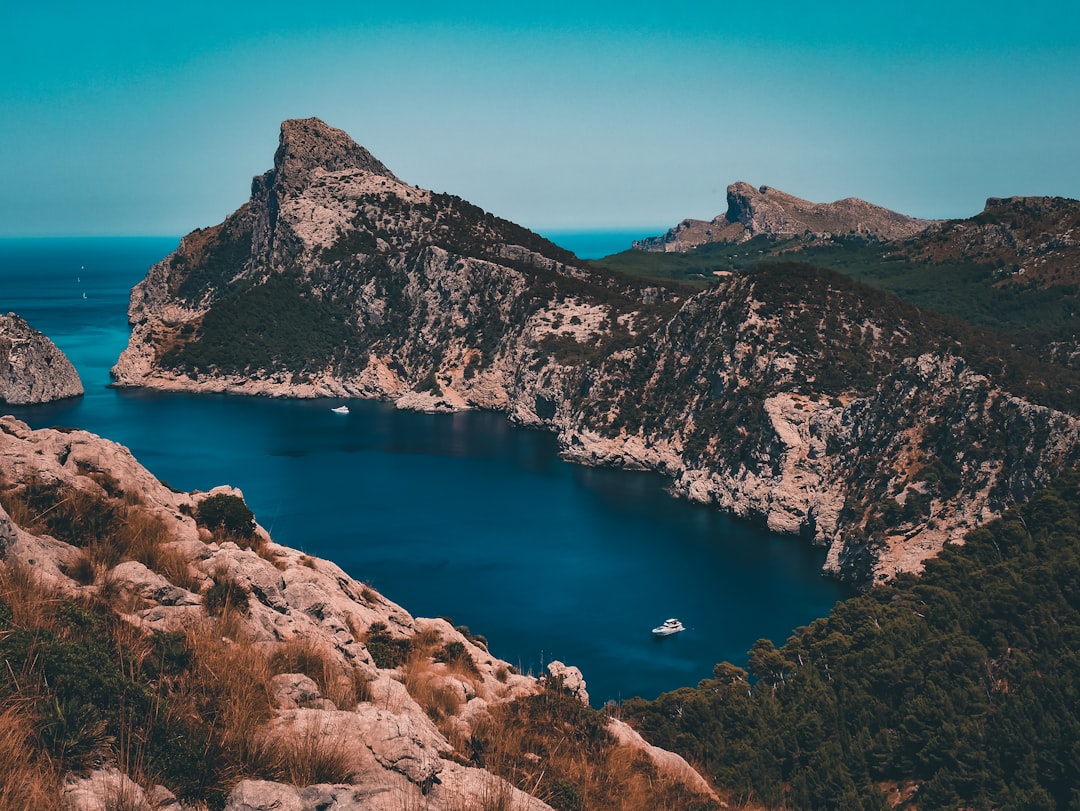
151, 119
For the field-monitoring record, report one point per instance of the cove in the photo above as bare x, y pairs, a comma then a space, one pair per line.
460, 515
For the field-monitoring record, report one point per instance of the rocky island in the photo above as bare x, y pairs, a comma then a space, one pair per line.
32, 368
784, 393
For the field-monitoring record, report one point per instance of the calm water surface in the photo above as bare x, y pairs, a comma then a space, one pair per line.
458, 515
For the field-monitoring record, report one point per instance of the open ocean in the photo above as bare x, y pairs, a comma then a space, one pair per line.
460, 515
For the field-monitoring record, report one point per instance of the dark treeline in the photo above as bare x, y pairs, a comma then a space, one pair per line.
956, 689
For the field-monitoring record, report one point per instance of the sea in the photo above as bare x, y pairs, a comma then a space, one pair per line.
462, 516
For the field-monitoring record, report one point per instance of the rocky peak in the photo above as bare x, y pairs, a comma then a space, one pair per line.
307, 144
32, 368
766, 211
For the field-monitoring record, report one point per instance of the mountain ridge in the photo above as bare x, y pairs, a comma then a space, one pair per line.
766, 211
774, 395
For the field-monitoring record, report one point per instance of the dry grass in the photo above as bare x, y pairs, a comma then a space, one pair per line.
29, 781
313, 753
495, 795
33, 606
426, 681
109, 526
172, 564
346, 687
556, 749
226, 688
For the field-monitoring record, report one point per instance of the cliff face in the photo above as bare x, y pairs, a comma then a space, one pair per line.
32, 368
770, 212
786, 394
298, 686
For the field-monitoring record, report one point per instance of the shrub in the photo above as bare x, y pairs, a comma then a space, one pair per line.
228, 515
386, 651
225, 594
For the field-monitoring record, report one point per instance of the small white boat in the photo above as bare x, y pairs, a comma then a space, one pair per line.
340, 410
671, 626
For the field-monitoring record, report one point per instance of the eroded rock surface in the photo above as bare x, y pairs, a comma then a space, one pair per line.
32, 368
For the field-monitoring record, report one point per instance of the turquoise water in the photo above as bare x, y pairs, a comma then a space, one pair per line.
459, 515
597, 244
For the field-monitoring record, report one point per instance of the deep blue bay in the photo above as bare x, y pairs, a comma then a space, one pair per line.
460, 515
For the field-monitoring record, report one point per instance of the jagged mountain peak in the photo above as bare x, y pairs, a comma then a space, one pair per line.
765, 210
307, 144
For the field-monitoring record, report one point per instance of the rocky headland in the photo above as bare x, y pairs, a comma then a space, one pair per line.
32, 368
166, 653
785, 394
769, 212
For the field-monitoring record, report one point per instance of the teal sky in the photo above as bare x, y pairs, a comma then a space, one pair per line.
122, 118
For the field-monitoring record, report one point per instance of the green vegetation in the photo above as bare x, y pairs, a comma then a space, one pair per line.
1025, 314
696, 267
387, 651
226, 514
960, 688
274, 326
222, 252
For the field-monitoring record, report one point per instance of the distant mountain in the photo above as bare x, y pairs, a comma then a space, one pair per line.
1029, 240
784, 393
770, 212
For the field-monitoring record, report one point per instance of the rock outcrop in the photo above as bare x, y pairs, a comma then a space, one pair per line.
32, 368
347, 677
774, 395
770, 212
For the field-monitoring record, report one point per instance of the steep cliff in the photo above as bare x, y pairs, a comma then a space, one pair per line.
32, 368
785, 393
166, 652
770, 212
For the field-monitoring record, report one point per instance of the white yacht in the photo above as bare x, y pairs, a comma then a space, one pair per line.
671, 626
340, 410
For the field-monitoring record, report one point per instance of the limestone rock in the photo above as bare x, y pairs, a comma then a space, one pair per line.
301, 612
570, 679
32, 368
771, 395
767, 211
108, 788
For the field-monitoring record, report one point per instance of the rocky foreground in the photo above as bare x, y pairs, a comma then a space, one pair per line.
273, 679
32, 368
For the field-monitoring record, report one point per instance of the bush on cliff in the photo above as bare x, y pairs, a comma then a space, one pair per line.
226, 514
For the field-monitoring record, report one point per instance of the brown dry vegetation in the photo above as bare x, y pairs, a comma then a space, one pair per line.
344, 686
190, 709
559, 750
30, 781
105, 523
